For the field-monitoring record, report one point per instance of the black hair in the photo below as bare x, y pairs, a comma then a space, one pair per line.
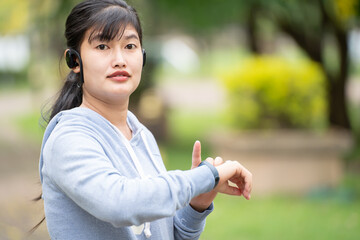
106, 18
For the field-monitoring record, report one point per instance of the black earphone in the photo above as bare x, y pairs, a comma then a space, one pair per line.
144, 56
70, 56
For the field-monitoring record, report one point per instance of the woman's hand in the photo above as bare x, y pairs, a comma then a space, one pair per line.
235, 179
234, 172
201, 202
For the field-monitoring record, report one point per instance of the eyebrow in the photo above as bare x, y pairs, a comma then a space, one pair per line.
131, 36
99, 37
93, 37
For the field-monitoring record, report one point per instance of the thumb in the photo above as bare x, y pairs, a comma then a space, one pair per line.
196, 155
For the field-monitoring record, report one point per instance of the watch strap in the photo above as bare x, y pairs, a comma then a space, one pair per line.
213, 170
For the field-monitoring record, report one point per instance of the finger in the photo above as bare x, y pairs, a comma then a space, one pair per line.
230, 190
243, 179
210, 160
241, 186
196, 154
247, 181
247, 191
240, 183
218, 161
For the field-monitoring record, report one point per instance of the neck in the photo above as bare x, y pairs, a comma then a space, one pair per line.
116, 114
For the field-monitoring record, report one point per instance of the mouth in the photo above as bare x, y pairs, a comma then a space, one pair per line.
119, 76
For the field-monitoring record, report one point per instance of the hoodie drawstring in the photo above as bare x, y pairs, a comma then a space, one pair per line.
138, 167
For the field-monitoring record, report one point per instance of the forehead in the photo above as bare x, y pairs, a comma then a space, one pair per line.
123, 33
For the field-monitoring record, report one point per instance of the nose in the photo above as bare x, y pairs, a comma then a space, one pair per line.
118, 59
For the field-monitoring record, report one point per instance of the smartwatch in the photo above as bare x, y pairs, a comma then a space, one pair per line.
213, 170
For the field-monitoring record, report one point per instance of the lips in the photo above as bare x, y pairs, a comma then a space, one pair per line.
119, 76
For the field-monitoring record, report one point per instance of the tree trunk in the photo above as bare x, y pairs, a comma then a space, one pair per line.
337, 106
337, 103
252, 29
338, 116
312, 43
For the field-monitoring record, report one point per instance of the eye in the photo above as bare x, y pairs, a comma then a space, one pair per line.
130, 46
102, 47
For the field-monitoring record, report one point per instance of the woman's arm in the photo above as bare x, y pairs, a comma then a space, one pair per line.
78, 165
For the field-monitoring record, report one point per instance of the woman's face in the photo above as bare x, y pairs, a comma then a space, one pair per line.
112, 69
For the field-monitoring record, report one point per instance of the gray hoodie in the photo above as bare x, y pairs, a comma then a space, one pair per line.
99, 185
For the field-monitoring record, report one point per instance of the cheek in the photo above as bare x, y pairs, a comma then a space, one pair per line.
137, 64
93, 67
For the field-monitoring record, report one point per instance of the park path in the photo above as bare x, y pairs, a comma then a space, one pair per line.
19, 180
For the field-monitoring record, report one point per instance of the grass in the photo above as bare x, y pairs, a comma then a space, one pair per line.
282, 218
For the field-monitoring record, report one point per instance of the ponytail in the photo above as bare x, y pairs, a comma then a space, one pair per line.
70, 95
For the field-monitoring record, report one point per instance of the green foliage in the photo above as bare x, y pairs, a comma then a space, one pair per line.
346, 10
14, 16
195, 16
273, 92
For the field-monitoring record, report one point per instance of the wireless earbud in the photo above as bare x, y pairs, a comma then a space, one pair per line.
70, 56
144, 57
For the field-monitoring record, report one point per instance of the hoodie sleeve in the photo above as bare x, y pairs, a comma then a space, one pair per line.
77, 164
189, 224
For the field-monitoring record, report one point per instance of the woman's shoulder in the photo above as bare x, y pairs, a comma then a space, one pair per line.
79, 116
78, 120
81, 113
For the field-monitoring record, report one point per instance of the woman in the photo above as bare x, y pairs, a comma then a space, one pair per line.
101, 170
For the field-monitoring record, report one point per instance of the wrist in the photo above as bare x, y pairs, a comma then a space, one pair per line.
213, 170
201, 206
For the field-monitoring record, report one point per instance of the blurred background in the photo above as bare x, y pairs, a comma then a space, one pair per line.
271, 83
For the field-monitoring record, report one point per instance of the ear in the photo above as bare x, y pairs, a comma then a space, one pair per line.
76, 69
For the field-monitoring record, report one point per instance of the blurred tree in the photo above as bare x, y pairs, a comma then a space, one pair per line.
46, 33
315, 25
14, 16
199, 17
275, 96
48, 23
